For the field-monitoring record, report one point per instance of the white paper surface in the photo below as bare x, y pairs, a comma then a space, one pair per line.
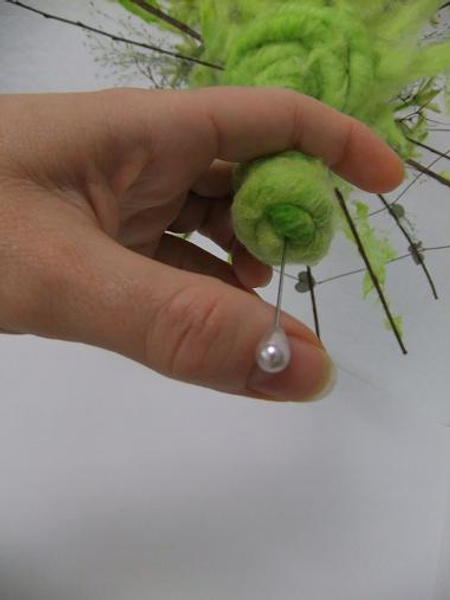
442, 586
116, 483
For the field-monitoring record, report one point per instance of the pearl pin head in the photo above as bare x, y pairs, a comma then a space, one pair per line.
273, 354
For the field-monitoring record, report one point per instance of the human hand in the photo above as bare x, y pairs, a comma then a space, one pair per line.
91, 183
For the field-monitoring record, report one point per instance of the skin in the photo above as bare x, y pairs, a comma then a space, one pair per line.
90, 186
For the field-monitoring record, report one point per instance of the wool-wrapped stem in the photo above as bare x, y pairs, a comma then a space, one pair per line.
285, 197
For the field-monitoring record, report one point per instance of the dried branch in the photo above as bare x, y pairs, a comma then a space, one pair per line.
159, 14
370, 269
114, 37
428, 172
312, 291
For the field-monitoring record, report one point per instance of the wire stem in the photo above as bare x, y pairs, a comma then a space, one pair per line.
412, 244
280, 287
429, 148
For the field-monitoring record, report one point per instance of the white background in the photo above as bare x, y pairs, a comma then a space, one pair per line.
118, 484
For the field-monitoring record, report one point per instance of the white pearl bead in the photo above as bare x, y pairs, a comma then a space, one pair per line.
274, 352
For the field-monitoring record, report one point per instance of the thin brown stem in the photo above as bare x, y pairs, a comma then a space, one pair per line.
428, 172
159, 14
370, 269
411, 242
113, 37
314, 301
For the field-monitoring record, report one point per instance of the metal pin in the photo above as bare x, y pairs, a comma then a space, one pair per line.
274, 351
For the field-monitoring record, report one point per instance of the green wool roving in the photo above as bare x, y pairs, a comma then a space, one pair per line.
305, 217
355, 55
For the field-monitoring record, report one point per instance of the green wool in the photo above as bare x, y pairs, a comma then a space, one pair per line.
293, 223
355, 55
306, 218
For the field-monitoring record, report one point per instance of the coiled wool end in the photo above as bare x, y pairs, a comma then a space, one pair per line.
285, 197
302, 48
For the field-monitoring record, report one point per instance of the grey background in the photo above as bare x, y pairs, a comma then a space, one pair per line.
116, 483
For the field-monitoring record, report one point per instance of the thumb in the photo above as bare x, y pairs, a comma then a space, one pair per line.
186, 326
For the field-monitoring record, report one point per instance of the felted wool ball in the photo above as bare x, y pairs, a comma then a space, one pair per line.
285, 197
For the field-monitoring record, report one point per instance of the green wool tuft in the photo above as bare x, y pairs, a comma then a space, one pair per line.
292, 222
306, 217
358, 56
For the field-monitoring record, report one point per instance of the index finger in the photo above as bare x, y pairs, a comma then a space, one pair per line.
241, 124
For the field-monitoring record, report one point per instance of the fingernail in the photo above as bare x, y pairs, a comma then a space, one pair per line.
267, 280
311, 375
329, 386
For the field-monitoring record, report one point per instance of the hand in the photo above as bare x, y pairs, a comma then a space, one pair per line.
91, 183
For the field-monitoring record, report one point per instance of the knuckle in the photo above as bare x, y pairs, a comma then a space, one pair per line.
192, 325
347, 143
297, 128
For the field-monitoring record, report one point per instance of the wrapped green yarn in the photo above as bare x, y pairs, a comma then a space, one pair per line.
322, 52
298, 47
357, 56
306, 217
354, 56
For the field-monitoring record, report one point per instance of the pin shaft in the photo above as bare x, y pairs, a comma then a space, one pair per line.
274, 352
280, 287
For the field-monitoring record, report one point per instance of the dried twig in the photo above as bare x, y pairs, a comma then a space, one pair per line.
428, 172
114, 37
314, 301
371, 271
159, 14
